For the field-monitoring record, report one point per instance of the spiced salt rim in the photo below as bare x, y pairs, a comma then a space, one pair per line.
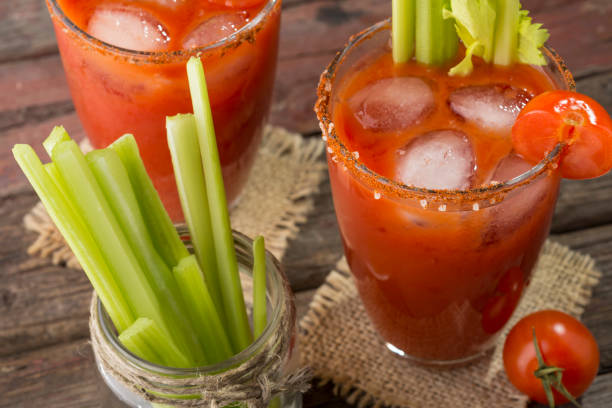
381, 185
234, 40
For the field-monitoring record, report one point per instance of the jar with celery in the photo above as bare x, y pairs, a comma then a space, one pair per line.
188, 316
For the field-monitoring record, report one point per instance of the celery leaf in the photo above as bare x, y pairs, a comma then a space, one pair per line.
531, 38
475, 24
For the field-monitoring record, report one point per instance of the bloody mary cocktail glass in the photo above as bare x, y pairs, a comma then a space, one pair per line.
439, 271
117, 90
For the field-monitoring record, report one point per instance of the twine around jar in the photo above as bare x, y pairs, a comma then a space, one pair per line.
252, 382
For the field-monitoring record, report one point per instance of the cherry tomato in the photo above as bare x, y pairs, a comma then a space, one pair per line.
571, 118
241, 4
564, 343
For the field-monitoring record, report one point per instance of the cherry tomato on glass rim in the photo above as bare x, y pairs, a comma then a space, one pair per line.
576, 120
568, 350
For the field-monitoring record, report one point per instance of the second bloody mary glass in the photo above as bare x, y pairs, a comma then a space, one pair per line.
117, 90
439, 272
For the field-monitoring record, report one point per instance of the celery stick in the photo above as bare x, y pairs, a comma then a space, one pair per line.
187, 164
162, 231
77, 235
433, 38
114, 181
506, 32
231, 290
426, 48
403, 30
98, 216
260, 318
148, 338
450, 40
57, 135
55, 175
133, 338
202, 309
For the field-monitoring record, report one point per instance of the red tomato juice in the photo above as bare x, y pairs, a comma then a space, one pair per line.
118, 91
439, 279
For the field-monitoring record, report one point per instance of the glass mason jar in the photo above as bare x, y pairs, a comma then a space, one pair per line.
280, 303
117, 91
439, 272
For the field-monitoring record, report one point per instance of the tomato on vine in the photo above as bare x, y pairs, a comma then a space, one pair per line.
551, 357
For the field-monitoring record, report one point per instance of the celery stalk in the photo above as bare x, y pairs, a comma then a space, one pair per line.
231, 290
260, 318
147, 338
202, 309
88, 197
450, 40
187, 164
77, 235
114, 181
133, 338
434, 40
163, 233
57, 135
402, 30
506, 32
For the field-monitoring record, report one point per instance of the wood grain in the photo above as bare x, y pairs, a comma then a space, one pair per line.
25, 29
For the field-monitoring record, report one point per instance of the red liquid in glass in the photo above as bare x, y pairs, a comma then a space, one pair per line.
438, 284
116, 93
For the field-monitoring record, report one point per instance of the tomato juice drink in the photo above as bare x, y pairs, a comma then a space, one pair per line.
125, 65
441, 221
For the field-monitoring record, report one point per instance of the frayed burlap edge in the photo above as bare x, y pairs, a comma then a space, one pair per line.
336, 333
277, 198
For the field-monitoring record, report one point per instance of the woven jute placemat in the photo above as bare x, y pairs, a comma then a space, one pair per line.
277, 198
340, 344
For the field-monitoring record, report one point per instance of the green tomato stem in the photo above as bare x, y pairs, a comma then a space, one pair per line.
551, 377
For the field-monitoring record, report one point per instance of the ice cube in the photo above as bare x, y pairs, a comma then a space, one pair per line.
510, 167
214, 29
493, 107
442, 159
392, 103
128, 27
520, 203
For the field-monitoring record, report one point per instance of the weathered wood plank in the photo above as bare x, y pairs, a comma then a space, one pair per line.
12, 179
60, 376
26, 84
314, 252
40, 304
25, 30
598, 314
579, 31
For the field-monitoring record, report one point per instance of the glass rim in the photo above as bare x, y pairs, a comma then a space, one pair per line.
278, 281
394, 189
245, 33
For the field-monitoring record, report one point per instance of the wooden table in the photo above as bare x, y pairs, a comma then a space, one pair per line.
45, 358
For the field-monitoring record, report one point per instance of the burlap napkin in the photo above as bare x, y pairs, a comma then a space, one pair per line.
339, 343
286, 173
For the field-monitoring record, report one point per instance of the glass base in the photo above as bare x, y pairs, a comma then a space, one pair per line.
127, 396
437, 363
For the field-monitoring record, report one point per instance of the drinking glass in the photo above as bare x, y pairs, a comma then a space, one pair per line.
117, 91
280, 310
439, 272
